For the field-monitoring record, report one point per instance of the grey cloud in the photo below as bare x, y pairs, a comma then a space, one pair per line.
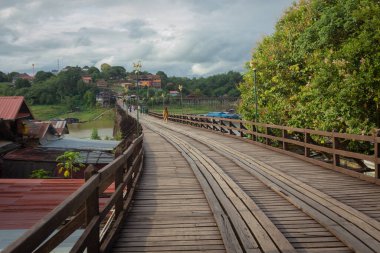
138, 28
169, 35
8, 35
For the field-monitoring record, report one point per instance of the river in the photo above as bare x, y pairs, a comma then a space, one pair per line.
83, 130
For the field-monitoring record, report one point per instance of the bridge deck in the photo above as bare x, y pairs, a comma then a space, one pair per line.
170, 211
314, 209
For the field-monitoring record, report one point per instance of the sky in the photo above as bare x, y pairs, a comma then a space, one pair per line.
179, 37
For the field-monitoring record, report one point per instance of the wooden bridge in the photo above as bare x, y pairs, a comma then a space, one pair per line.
218, 185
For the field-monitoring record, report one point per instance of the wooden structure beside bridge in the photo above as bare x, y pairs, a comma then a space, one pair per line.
187, 186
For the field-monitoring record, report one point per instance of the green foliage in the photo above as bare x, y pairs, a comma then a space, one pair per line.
89, 99
42, 76
116, 73
105, 67
118, 136
40, 173
164, 78
320, 69
69, 162
22, 83
3, 77
95, 134
212, 86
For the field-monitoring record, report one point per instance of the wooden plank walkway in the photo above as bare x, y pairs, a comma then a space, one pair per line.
170, 211
273, 203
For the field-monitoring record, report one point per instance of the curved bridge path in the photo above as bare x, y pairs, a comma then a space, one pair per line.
204, 192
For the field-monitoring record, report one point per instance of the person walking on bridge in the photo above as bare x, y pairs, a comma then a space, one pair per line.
165, 114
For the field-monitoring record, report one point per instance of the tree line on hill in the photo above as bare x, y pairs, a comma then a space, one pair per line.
320, 69
224, 84
67, 87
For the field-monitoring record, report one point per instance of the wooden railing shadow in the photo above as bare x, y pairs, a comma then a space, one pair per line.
332, 151
81, 209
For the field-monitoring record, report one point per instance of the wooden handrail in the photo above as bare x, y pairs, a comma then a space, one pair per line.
265, 135
82, 206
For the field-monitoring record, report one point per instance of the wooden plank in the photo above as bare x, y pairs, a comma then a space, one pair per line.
220, 190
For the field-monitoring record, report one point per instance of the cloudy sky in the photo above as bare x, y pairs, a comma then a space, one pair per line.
180, 37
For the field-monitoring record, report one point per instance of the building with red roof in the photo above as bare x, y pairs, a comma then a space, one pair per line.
12, 111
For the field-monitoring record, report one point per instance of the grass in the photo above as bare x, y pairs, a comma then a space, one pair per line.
5, 84
46, 112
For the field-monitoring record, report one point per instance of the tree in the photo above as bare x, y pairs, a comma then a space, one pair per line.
42, 76
116, 72
164, 78
69, 162
12, 75
93, 70
320, 68
3, 77
105, 67
89, 99
22, 83
94, 134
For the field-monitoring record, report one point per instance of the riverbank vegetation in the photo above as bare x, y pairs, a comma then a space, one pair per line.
67, 88
320, 69
46, 112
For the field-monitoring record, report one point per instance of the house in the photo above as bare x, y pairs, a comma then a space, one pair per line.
173, 93
101, 83
87, 79
13, 110
148, 80
127, 85
24, 76
60, 126
105, 98
156, 81
37, 132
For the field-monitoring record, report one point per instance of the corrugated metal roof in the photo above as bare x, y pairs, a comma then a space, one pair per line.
37, 129
10, 108
50, 155
23, 202
81, 144
60, 126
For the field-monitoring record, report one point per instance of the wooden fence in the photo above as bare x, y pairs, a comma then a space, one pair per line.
81, 209
338, 151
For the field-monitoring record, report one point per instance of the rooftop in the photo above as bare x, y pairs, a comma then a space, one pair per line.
25, 201
14, 107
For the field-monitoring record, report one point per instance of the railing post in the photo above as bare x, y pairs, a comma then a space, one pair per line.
266, 138
92, 210
377, 154
254, 130
222, 130
230, 131
284, 136
119, 173
241, 126
336, 158
307, 139
213, 125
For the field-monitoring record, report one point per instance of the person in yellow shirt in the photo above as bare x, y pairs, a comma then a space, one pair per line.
165, 114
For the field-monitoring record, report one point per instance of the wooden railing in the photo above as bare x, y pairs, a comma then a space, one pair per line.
81, 209
330, 150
